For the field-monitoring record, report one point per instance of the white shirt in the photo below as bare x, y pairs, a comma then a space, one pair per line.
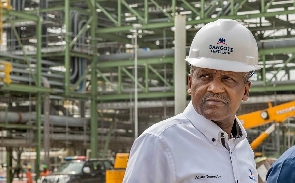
187, 148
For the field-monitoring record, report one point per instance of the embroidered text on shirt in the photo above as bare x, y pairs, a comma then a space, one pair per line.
207, 176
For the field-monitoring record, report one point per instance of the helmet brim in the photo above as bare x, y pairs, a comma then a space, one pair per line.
224, 65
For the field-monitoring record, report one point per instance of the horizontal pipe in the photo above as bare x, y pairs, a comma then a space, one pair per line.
290, 42
15, 117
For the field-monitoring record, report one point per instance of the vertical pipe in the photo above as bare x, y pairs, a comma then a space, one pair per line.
135, 87
9, 172
67, 47
202, 9
82, 114
232, 7
131, 107
46, 130
146, 11
93, 119
108, 138
180, 64
264, 70
173, 7
146, 77
119, 80
38, 97
119, 13
262, 6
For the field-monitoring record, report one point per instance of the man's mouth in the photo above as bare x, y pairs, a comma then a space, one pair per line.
215, 102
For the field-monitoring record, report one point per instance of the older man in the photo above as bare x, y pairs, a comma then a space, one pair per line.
206, 143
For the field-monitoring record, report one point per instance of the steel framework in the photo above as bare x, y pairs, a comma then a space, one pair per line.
82, 52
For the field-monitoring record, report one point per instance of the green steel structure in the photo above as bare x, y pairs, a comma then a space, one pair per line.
81, 53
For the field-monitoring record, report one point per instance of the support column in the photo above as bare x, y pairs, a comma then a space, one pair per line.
9, 170
38, 98
93, 119
46, 128
135, 87
67, 47
180, 86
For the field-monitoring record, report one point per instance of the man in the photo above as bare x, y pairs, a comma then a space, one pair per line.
205, 143
45, 171
282, 170
29, 175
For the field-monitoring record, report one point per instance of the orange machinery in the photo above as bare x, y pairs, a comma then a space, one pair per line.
116, 175
277, 114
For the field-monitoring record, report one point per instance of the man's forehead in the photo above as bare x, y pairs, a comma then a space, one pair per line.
199, 69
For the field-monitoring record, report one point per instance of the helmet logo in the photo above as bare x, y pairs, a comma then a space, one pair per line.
221, 41
221, 47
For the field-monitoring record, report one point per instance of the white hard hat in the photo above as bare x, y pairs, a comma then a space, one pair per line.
224, 45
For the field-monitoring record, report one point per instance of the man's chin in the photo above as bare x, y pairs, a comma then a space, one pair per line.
214, 115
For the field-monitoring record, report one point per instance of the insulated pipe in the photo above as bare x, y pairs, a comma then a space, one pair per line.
16, 70
78, 63
277, 43
32, 60
82, 63
67, 58
170, 52
141, 54
15, 117
17, 142
55, 78
74, 61
19, 78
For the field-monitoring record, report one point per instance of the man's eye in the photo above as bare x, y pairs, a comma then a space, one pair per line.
229, 79
204, 76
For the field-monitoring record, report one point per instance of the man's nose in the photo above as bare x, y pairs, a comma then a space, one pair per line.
216, 86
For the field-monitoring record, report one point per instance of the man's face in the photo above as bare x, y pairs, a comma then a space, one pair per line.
216, 94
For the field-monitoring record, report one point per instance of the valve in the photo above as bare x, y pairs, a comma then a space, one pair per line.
5, 70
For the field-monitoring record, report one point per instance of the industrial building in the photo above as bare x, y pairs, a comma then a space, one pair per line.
86, 77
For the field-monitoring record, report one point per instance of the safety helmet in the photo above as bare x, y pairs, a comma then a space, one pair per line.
224, 45
29, 167
44, 166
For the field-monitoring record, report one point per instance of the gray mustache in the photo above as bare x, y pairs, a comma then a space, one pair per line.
215, 96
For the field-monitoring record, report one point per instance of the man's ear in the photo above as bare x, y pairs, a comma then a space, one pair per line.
189, 83
245, 97
247, 91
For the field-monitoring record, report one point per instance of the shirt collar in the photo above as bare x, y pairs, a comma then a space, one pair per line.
208, 128
236, 131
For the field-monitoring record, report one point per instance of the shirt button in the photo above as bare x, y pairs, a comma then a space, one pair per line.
213, 139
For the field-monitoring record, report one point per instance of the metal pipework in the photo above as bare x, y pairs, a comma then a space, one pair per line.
14, 117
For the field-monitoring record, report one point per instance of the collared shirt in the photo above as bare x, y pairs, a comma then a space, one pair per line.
188, 148
282, 170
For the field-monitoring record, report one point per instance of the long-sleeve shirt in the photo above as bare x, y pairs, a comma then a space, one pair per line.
282, 170
188, 148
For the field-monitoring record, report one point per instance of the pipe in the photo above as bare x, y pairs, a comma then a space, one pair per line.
15, 117
20, 70
290, 42
78, 63
23, 142
46, 123
32, 60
